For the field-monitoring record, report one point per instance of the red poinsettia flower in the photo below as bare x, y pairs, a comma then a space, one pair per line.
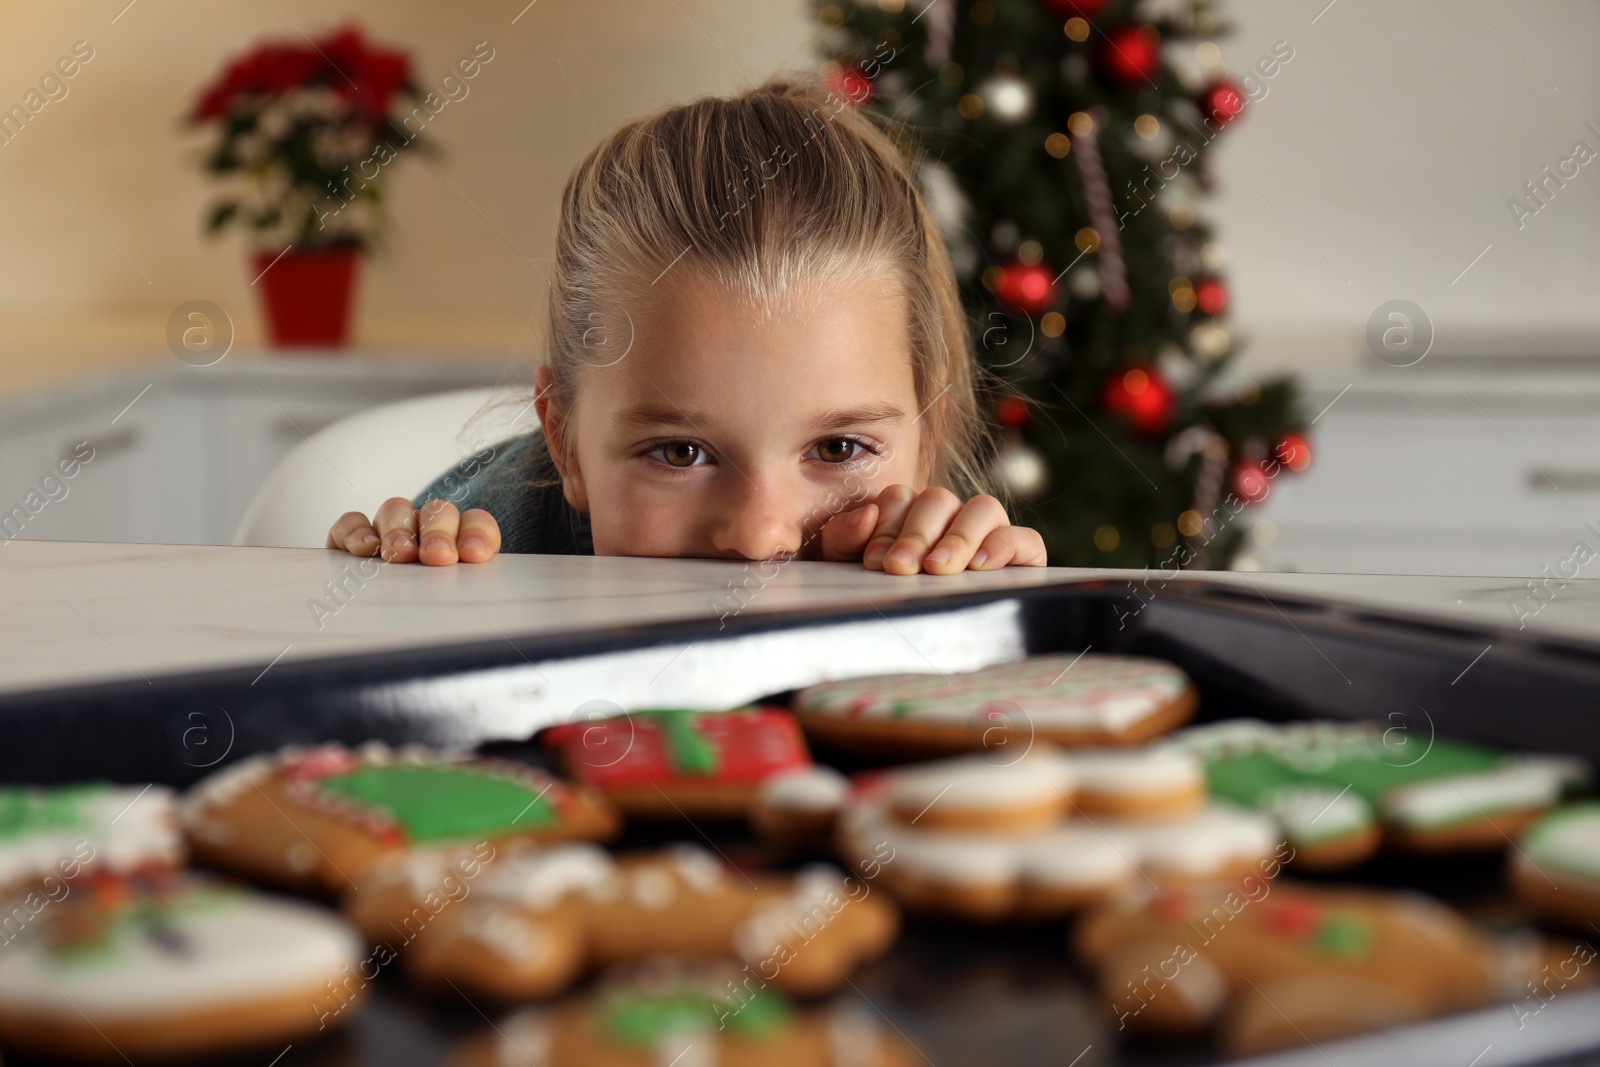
342, 60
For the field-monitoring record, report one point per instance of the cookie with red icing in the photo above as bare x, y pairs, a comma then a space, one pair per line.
317, 818
682, 1011
1069, 699
1268, 964
672, 762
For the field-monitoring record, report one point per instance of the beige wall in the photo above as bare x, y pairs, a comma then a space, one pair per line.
566, 73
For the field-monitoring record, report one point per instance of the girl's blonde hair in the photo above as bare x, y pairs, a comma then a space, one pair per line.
782, 187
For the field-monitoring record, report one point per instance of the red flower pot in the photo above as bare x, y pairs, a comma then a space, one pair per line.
306, 296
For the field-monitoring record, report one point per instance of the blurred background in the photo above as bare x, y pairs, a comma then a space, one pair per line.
1370, 301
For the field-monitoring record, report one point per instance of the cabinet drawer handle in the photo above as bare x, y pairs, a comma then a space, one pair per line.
1581, 479
109, 445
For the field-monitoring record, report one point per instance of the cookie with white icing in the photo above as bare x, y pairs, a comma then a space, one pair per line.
50, 834
1044, 835
1555, 868
530, 921
1272, 964
1338, 789
1070, 699
687, 1011
315, 819
174, 965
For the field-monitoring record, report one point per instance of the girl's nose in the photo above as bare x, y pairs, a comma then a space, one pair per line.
758, 522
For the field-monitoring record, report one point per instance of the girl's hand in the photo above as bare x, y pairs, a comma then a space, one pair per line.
903, 532
445, 534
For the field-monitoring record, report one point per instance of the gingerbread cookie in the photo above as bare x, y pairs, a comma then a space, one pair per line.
798, 806
316, 819
1272, 965
535, 919
676, 1011
1076, 699
167, 965
1555, 868
1338, 789
48, 835
1046, 834
677, 763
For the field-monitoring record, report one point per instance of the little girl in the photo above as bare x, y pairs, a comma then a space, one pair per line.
755, 351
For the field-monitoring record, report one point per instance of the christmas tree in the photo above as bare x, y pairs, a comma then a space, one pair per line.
1064, 144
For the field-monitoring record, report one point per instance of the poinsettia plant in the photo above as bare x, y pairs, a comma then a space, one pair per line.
305, 133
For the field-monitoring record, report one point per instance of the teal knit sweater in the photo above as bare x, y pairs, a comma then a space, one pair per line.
515, 481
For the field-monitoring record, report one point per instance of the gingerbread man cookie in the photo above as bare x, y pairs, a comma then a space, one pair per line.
48, 835
170, 965
682, 1011
535, 919
674, 762
1045, 834
316, 819
1339, 789
1074, 699
1273, 965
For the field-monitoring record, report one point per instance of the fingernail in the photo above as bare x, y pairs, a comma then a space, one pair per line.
939, 555
859, 517
980, 559
876, 553
434, 543
474, 543
369, 538
401, 541
901, 555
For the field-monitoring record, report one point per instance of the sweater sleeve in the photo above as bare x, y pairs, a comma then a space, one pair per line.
515, 481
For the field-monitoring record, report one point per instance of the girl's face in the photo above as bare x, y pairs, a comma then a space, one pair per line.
724, 434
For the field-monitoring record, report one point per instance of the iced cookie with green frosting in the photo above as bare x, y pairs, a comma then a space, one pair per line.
1338, 790
1555, 868
50, 834
316, 818
672, 1010
171, 964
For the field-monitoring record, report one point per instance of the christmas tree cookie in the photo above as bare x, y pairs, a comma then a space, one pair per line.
1070, 699
1270, 965
132, 969
48, 835
317, 818
1339, 789
683, 1011
677, 762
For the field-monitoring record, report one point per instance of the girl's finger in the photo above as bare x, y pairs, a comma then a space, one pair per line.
354, 534
845, 535
479, 538
893, 504
1011, 546
397, 526
438, 521
930, 515
978, 518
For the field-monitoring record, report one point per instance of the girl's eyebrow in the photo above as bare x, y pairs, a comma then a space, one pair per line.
839, 418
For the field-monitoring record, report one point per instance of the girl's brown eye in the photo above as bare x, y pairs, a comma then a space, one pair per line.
682, 454
838, 450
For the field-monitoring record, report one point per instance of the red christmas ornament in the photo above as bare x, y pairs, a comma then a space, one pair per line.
1131, 55
1221, 102
1026, 287
1211, 296
1068, 8
1250, 481
1294, 452
1012, 413
850, 84
1141, 397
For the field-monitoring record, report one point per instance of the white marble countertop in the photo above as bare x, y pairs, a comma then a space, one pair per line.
80, 613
